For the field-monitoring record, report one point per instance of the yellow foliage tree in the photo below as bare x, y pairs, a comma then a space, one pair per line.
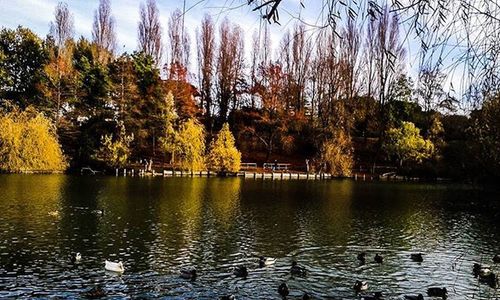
190, 146
337, 153
115, 153
169, 140
407, 144
223, 156
29, 143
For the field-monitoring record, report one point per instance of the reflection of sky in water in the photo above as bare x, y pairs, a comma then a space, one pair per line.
157, 226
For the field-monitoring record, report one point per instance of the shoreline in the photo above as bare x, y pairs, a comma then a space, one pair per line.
255, 174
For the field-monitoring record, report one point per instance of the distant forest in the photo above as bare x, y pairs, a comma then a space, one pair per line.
338, 96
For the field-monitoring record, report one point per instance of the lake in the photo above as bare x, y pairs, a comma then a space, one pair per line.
157, 226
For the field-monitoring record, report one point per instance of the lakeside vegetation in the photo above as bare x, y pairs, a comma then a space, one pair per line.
341, 99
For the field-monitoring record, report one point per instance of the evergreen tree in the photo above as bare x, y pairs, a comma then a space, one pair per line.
22, 57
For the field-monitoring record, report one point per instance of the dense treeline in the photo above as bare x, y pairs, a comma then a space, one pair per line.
342, 99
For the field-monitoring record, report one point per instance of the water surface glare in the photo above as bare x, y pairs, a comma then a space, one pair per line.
157, 226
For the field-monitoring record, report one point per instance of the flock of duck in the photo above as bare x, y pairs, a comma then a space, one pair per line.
482, 272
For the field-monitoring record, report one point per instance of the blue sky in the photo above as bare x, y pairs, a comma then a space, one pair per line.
37, 15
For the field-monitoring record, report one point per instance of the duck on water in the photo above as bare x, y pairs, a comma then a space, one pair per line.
417, 257
116, 267
240, 271
266, 261
189, 274
378, 258
297, 270
360, 286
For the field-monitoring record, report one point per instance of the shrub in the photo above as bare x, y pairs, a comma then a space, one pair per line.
337, 153
29, 143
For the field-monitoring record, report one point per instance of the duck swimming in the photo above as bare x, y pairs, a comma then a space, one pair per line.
496, 258
481, 270
189, 274
266, 261
378, 258
417, 257
297, 270
229, 297
362, 257
360, 286
489, 279
241, 271
437, 292
283, 290
75, 257
116, 267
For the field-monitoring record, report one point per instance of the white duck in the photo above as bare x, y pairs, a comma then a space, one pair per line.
485, 271
266, 261
75, 257
114, 266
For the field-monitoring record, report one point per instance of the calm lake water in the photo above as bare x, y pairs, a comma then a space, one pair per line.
157, 226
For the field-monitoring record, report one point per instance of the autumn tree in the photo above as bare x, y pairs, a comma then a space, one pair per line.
190, 144
149, 31
29, 143
229, 68
125, 92
407, 145
301, 50
260, 59
388, 54
328, 105
223, 156
103, 31
350, 59
170, 136
115, 151
368, 60
62, 28
59, 70
436, 135
337, 154
178, 39
485, 136
205, 39
269, 124
184, 94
